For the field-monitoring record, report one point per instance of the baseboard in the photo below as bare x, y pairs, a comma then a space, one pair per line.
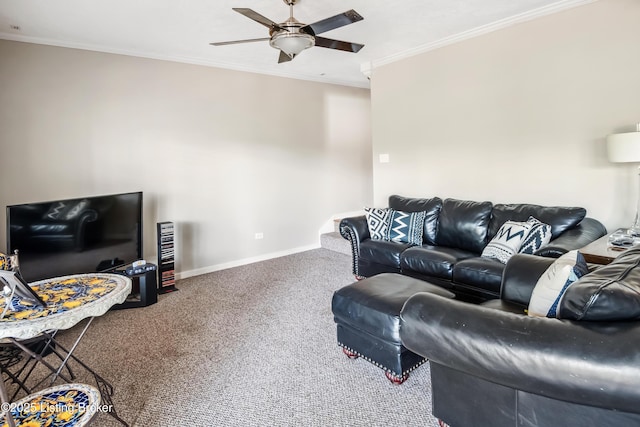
244, 261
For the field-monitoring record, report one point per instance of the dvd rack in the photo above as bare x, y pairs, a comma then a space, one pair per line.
166, 258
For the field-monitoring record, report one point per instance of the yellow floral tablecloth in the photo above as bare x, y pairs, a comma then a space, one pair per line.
68, 299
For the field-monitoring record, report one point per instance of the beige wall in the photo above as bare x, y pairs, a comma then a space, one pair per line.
517, 115
223, 154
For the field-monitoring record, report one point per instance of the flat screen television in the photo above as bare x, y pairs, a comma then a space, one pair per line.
83, 235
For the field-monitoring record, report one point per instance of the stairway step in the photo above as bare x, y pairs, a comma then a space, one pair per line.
335, 242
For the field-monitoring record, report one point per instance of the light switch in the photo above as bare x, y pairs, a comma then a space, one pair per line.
384, 158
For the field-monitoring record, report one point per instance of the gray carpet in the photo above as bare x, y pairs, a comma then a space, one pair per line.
335, 242
248, 346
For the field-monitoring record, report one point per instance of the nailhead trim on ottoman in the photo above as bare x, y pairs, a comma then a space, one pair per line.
384, 368
367, 314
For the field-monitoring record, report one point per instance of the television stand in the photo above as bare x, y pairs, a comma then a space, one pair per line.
144, 290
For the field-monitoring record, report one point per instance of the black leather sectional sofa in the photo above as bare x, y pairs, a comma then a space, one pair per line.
455, 234
493, 365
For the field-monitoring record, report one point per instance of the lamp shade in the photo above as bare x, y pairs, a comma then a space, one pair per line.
624, 147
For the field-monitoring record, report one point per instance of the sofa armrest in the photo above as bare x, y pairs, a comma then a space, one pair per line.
355, 230
578, 237
589, 363
520, 276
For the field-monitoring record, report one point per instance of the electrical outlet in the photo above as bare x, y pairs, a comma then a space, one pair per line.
259, 236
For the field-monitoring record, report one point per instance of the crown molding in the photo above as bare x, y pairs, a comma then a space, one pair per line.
180, 59
368, 67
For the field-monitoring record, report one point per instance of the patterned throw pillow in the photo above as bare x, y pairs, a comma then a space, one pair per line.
552, 285
507, 241
406, 227
538, 237
56, 210
378, 222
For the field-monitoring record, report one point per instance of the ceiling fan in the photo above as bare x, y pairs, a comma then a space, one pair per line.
292, 36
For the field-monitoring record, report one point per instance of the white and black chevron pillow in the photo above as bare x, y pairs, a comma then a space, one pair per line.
508, 241
406, 227
538, 237
378, 222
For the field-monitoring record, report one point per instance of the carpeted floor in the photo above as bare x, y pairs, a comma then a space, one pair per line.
248, 346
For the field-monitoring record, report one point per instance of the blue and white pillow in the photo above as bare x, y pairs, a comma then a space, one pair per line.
378, 222
507, 241
538, 237
406, 227
555, 281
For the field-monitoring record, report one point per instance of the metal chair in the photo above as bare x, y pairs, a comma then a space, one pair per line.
13, 357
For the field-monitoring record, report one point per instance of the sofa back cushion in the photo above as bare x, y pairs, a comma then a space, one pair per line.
431, 207
463, 224
559, 218
609, 293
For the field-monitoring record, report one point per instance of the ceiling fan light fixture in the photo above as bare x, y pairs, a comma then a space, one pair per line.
292, 43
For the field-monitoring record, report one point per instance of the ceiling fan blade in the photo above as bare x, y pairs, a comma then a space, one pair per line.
284, 57
338, 44
251, 14
239, 41
340, 20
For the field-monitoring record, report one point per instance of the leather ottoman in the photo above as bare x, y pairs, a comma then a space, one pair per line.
367, 314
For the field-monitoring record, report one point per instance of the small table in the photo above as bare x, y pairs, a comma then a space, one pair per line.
70, 300
599, 251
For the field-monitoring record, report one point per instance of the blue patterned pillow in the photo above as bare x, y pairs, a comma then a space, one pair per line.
378, 222
507, 241
406, 227
538, 237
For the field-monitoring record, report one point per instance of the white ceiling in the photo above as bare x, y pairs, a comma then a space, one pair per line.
181, 30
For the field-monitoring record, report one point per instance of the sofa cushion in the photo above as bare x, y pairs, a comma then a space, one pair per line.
559, 218
378, 222
609, 293
406, 227
432, 260
555, 281
431, 207
484, 273
507, 241
382, 251
463, 224
539, 236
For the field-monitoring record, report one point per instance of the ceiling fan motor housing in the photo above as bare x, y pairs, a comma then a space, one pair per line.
290, 39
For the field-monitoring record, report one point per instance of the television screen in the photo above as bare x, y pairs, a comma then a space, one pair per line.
84, 235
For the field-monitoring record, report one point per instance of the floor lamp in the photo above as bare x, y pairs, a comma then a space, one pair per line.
625, 148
